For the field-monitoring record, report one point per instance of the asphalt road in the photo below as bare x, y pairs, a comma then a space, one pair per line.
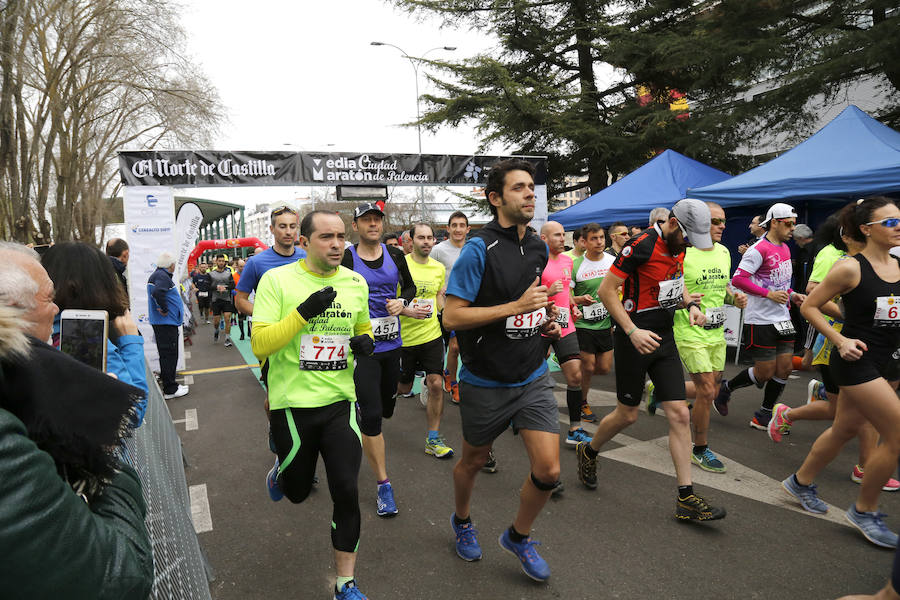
619, 541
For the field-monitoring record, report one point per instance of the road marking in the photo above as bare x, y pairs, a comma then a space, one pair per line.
187, 354
219, 369
200, 514
189, 420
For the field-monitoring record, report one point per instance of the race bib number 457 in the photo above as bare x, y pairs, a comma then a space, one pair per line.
323, 352
524, 326
385, 329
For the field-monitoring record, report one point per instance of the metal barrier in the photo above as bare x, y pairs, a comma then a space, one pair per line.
180, 568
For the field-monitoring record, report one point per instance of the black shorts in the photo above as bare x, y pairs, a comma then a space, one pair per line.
565, 348
663, 365
594, 341
764, 342
428, 357
222, 306
375, 378
875, 363
202, 301
828, 381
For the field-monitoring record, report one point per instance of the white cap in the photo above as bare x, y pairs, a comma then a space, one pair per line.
694, 218
779, 210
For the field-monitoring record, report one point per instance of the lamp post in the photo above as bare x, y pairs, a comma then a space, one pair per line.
415, 62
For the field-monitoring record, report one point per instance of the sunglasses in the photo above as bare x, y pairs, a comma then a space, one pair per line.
788, 223
660, 221
625, 233
283, 209
717, 221
889, 222
684, 233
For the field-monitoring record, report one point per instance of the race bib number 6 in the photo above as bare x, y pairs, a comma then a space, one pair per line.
324, 352
671, 292
887, 312
385, 329
519, 327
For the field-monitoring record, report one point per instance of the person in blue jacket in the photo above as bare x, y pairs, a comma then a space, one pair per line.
166, 312
83, 278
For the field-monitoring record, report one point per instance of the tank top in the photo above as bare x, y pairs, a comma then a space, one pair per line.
872, 310
383, 284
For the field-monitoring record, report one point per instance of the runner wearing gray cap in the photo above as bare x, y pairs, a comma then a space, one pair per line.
650, 269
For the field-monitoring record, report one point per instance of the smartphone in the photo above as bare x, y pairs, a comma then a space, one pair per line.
83, 335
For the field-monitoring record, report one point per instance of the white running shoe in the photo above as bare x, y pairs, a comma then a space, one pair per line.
181, 391
423, 395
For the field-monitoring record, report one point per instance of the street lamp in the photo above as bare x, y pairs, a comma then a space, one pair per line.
415, 62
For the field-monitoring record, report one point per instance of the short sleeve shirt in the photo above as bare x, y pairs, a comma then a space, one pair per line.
429, 280
560, 269
823, 262
586, 280
769, 266
262, 262
279, 293
705, 272
446, 254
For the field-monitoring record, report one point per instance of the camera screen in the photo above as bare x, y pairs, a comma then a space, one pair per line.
83, 339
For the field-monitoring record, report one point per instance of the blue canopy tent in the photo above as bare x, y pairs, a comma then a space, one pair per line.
853, 156
662, 181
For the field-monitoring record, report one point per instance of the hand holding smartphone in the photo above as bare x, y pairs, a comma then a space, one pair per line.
83, 335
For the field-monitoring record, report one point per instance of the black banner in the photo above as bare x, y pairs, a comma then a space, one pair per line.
214, 168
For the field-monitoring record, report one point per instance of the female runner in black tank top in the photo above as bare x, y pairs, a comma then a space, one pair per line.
863, 349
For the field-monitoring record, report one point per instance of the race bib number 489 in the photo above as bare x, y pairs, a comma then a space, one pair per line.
595, 312
524, 326
887, 312
324, 352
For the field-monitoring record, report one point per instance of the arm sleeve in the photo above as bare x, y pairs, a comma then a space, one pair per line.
101, 551
271, 331
750, 262
641, 248
465, 278
407, 285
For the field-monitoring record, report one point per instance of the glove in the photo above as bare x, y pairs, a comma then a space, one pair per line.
316, 303
362, 345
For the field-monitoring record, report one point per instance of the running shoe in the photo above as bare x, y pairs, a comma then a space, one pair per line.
438, 448
651, 399
228, 342
216, 336
722, 399
815, 390
587, 415
446, 380
760, 420
558, 490
275, 492
408, 394
708, 461
695, 508
576, 436
207, 321
491, 465
526, 551
856, 475
779, 424
385, 502
587, 466
423, 395
454, 393
350, 592
871, 524
467, 547
806, 495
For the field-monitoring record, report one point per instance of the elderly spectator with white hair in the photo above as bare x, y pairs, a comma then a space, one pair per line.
25, 284
166, 312
659, 215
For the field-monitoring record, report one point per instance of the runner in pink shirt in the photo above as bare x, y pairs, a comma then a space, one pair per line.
557, 276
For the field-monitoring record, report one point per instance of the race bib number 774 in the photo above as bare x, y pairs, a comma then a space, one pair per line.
324, 352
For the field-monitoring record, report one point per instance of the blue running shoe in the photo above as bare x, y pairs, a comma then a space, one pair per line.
532, 563
871, 524
579, 435
806, 495
350, 592
386, 505
467, 547
275, 492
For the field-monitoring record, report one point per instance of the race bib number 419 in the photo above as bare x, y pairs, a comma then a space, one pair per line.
324, 352
524, 326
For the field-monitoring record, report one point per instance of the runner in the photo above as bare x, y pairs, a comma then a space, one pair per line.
236, 275
423, 345
376, 377
764, 273
446, 253
864, 365
650, 267
577, 245
594, 327
702, 349
222, 284
311, 322
618, 235
497, 306
201, 283
390, 239
557, 278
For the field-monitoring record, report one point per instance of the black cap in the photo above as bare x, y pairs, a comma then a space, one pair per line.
366, 207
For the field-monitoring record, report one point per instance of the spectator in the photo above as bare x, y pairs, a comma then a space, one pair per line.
406, 242
634, 230
117, 251
617, 236
166, 312
803, 257
390, 239
60, 416
84, 279
756, 232
659, 215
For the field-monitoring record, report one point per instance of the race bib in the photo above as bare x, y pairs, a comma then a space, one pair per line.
385, 329
221, 288
595, 312
563, 317
887, 312
671, 293
202, 294
427, 303
519, 327
785, 328
715, 317
323, 352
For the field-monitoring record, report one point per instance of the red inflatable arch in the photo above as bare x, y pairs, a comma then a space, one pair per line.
204, 245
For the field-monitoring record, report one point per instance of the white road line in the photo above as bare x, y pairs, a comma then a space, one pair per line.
188, 380
187, 354
200, 514
189, 420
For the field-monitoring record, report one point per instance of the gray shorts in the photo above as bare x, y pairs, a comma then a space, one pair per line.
487, 412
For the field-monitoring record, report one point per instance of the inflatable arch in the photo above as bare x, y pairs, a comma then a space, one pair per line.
204, 245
